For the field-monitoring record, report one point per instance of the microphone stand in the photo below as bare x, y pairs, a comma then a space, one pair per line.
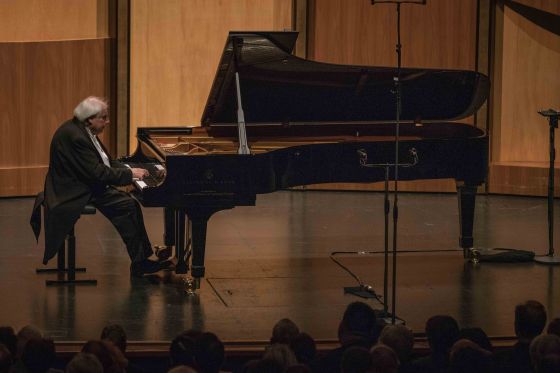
552, 116
364, 163
397, 81
396, 181
397, 92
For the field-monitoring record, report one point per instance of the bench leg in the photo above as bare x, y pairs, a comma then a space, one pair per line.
70, 269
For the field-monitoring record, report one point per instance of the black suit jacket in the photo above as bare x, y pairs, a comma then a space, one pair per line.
76, 173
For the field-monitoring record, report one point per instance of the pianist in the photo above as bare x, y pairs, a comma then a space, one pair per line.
81, 172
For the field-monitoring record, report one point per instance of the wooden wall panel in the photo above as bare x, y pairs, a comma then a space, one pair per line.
53, 53
527, 179
441, 34
41, 84
175, 48
530, 82
35, 20
526, 80
121, 103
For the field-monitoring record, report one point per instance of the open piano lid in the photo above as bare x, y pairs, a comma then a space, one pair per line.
280, 88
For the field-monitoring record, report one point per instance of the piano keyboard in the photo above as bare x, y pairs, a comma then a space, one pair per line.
152, 180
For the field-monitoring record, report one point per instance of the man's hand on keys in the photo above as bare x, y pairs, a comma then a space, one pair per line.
139, 173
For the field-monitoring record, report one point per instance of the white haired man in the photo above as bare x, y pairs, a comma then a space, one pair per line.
81, 172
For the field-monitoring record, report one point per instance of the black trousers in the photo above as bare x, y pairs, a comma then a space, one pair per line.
126, 215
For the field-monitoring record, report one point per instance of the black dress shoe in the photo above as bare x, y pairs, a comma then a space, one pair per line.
168, 265
144, 267
163, 252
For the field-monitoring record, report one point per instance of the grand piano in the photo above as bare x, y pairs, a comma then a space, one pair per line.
274, 121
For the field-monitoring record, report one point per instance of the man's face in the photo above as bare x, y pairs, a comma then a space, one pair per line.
98, 123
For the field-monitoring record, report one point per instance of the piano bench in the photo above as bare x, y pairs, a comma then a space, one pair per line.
69, 249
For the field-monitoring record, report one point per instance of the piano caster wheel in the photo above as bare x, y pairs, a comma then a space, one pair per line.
473, 255
191, 285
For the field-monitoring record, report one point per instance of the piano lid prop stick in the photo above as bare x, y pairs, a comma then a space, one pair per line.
243, 147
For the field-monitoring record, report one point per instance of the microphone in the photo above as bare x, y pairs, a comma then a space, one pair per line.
369, 289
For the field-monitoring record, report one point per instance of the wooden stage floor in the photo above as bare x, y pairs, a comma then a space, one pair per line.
272, 261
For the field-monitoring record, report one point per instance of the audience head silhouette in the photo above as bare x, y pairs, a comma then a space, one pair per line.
383, 360
282, 354
530, 319
304, 348
467, 356
284, 331
181, 350
478, 336
400, 339
25, 334
359, 322
6, 359
107, 354
209, 353
541, 346
8, 339
554, 327
84, 362
39, 355
442, 332
182, 369
115, 334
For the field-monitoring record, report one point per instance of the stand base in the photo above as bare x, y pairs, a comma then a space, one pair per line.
361, 291
548, 259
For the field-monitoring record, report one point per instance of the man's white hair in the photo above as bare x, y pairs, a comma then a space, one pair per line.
89, 107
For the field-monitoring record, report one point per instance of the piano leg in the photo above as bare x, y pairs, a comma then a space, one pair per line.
466, 194
169, 227
198, 232
180, 240
196, 217
190, 228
